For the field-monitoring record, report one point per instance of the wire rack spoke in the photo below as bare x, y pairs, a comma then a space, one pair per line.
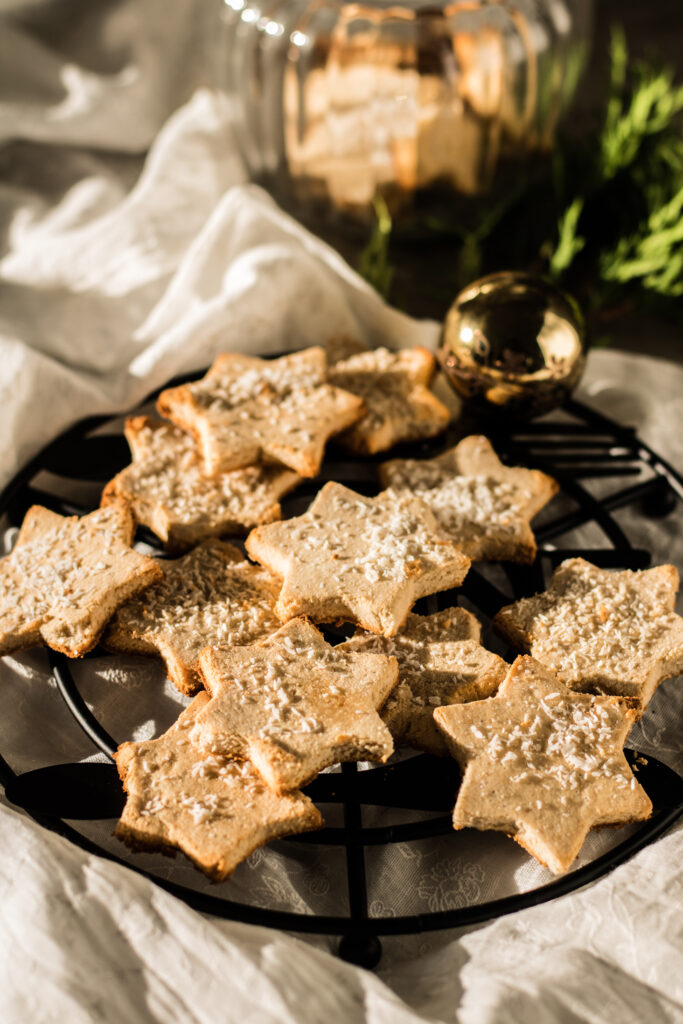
594, 472
22, 502
604, 558
99, 458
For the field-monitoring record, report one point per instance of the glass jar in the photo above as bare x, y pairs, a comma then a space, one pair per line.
337, 101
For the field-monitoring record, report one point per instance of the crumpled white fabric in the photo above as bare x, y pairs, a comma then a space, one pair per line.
99, 310
105, 75
105, 294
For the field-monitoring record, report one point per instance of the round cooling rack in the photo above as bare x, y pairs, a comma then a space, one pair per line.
601, 468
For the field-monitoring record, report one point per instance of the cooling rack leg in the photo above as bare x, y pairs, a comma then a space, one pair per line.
661, 500
359, 946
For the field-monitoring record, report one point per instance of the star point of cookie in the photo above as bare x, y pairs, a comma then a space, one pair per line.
216, 810
440, 661
480, 504
292, 705
247, 410
543, 763
212, 595
602, 630
365, 560
168, 491
394, 387
66, 576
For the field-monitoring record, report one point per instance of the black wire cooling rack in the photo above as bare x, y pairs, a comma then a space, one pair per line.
601, 467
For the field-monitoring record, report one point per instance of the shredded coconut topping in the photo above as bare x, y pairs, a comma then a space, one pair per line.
61, 568
392, 541
204, 599
386, 382
561, 740
231, 384
167, 470
594, 623
379, 377
283, 685
461, 504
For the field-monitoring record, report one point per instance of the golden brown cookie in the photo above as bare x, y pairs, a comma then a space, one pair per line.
365, 560
600, 630
213, 808
398, 403
481, 505
543, 763
440, 661
168, 491
341, 346
67, 576
212, 596
247, 410
293, 705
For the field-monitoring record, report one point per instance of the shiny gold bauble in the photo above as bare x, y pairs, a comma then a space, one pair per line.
513, 343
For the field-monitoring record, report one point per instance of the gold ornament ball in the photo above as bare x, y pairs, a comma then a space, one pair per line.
513, 343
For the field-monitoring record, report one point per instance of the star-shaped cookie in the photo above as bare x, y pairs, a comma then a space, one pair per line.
481, 505
440, 661
212, 596
168, 491
398, 403
293, 705
66, 576
342, 346
600, 630
543, 764
215, 809
247, 410
365, 560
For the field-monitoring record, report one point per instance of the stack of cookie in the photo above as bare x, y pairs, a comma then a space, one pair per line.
540, 743
280, 702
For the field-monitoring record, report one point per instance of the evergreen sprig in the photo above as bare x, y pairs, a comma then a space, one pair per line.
654, 256
649, 109
373, 263
569, 242
625, 217
604, 217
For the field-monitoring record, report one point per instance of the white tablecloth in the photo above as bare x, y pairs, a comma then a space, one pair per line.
108, 291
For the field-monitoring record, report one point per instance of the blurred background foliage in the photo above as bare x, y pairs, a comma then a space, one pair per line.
602, 215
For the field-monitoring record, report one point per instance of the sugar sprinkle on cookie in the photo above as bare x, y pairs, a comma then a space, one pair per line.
66, 576
294, 705
247, 410
602, 630
543, 763
394, 388
211, 596
481, 505
359, 559
215, 809
440, 661
169, 492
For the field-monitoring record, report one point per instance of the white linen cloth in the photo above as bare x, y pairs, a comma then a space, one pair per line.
106, 294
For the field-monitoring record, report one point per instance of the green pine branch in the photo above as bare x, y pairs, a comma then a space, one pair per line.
654, 255
373, 263
569, 242
636, 115
605, 215
624, 217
